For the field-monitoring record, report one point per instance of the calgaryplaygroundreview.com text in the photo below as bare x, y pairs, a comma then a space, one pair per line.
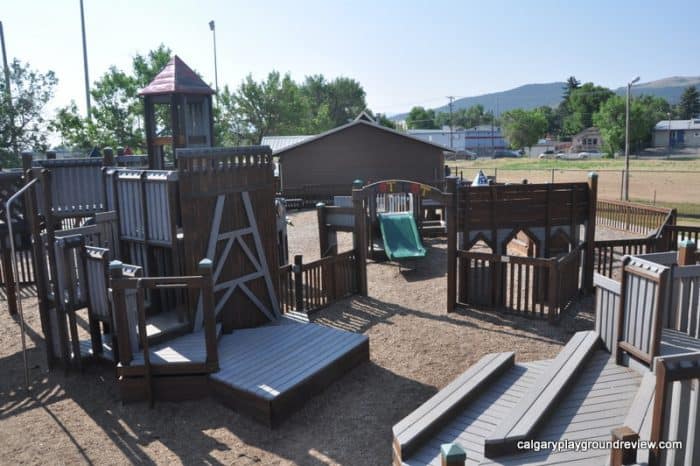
586, 445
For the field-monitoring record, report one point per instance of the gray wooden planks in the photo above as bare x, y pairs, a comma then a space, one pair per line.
271, 360
542, 396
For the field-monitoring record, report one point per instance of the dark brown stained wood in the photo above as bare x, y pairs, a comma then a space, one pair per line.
326, 166
411, 431
540, 398
204, 175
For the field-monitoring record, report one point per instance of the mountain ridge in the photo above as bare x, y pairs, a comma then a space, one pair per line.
529, 96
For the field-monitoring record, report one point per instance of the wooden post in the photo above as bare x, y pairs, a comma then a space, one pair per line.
589, 257
26, 161
624, 453
686, 253
205, 269
554, 281
298, 283
658, 413
360, 240
451, 454
8, 276
108, 157
322, 229
451, 204
120, 318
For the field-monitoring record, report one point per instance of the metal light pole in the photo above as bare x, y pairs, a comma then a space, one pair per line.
627, 139
212, 27
5, 68
669, 136
85, 63
451, 121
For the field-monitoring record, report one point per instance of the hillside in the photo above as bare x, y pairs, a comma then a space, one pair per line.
531, 96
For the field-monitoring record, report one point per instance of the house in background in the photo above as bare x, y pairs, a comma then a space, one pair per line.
482, 139
587, 140
683, 133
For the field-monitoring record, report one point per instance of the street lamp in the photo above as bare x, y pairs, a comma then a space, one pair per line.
627, 139
212, 27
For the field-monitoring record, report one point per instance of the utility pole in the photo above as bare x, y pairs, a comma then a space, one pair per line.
212, 27
451, 121
85, 63
5, 68
627, 139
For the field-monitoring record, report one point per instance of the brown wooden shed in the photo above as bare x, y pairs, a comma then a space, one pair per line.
327, 164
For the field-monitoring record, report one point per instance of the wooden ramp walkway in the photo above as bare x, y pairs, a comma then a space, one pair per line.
268, 372
598, 400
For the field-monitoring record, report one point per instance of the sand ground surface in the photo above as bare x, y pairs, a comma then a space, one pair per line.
416, 348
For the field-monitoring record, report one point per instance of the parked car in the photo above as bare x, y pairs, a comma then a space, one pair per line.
591, 154
465, 154
548, 154
500, 154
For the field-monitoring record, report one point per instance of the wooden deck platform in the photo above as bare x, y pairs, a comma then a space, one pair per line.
599, 401
674, 342
268, 372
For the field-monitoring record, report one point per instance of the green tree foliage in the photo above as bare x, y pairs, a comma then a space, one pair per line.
280, 106
645, 112
582, 103
420, 118
22, 125
117, 110
689, 106
571, 84
275, 106
523, 128
465, 117
553, 119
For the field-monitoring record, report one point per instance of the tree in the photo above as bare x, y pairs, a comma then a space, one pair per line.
523, 128
645, 112
332, 103
116, 118
22, 125
571, 84
465, 117
274, 106
689, 106
420, 118
583, 102
553, 119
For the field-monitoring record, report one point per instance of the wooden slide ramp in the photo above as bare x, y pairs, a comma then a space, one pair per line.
580, 395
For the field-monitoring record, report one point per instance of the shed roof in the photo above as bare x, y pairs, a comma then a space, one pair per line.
362, 121
278, 143
677, 125
176, 77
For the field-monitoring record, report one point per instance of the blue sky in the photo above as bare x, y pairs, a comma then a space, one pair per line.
404, 53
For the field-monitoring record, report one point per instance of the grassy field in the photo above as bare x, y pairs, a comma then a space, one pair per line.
666, 183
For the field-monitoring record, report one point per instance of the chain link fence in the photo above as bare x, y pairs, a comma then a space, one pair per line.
679, 189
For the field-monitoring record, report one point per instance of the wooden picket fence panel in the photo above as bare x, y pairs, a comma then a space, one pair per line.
315, 285
630, 216
528, 286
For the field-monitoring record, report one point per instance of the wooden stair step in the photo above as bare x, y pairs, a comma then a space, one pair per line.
522, 422
414, 429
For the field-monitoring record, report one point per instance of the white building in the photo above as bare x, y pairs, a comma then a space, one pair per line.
683, 133
483, 139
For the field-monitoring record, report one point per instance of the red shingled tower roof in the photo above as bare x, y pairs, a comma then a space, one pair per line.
176, 77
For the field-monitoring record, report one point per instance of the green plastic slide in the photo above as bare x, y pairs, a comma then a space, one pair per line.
400, 235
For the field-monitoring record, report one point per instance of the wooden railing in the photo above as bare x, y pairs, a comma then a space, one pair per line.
608, 254
313, 286
128, 340
629, 216
607, 306
528, 286
675, 407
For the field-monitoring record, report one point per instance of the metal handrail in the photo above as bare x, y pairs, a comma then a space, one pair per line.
15, 272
